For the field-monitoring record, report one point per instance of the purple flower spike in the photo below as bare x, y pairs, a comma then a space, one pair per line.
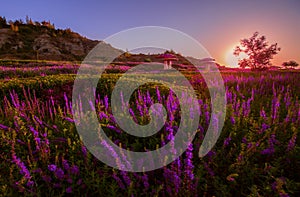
232, 120
5, 128
84, 150
69, 119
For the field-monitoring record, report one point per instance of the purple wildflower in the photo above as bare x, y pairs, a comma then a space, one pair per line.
69, 119
66, 101
38, 140
29, 183
74, 170
145, 181
158, 95
65, 164
111, 127
59, 173
84, 150
102, 116
275, 107
126, 177
264, 127
38, 120
52, 167
268, 151
211, 153
263, 113
3, 127
149, 100
23, 170
249, 145
34, 132
227, 141
119, 181
132, 114
106, 102
232, 120
69, 190
188, 162
171, 177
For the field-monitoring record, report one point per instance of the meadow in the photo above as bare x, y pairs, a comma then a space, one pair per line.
257, 153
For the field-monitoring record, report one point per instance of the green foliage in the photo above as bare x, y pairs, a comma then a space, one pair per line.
3, 22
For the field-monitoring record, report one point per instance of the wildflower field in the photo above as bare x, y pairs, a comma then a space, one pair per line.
257, 153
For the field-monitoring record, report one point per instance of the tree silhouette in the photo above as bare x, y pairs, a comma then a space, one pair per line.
290, 64
3, 22
258, 51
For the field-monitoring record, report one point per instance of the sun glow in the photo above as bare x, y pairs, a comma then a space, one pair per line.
232, 60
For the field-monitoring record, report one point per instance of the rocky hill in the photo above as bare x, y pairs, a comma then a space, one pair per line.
41, 41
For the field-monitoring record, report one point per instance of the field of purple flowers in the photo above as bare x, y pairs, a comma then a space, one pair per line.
257, 153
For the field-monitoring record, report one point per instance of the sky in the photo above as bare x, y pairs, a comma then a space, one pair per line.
217, 24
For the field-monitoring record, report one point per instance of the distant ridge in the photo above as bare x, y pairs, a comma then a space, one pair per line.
41, 41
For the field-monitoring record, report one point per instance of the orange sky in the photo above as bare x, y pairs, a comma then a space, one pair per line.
289, 47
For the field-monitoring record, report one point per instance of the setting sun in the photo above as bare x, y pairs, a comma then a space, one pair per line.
232, 60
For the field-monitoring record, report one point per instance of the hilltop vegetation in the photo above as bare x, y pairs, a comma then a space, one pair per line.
42, 41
